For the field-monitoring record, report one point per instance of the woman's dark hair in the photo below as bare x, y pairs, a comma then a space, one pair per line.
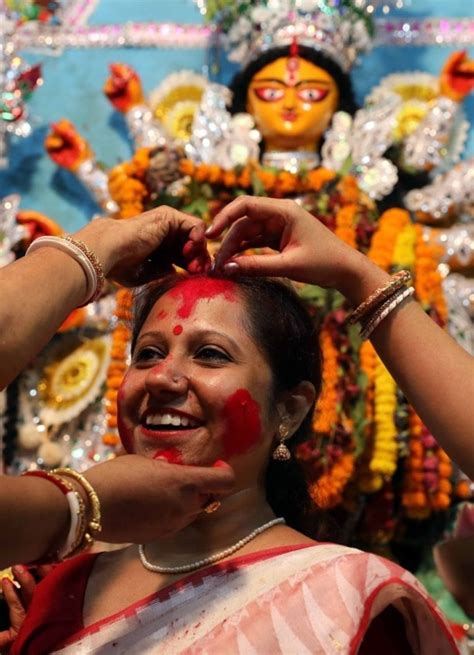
282, 328
241, 81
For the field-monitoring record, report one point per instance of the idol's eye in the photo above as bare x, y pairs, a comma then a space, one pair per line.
212, 354
269, 93
312, 95
147, 354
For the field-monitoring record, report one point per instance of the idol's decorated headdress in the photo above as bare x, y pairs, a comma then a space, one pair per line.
341, 29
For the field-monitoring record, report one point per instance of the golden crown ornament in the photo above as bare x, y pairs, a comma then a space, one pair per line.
341, 29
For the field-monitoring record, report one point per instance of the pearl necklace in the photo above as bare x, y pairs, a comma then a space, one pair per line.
207, 560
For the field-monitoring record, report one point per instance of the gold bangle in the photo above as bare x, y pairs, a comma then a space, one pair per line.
95, 522
397, 281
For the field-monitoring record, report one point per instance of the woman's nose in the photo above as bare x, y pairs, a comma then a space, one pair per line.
166, 378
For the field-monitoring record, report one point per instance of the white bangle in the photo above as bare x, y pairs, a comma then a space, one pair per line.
93, 284
386, 310
75, 528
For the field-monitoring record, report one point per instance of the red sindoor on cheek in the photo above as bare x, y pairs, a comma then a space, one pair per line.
191, 290
172, 455
125, 431
243, 428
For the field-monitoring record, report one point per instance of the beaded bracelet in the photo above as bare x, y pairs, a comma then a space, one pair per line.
83, 256
384, 310
397, 281
92, 259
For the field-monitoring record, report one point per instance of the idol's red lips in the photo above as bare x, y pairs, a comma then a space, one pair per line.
289, 116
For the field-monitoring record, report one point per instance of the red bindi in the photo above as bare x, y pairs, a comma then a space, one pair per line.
242, 423
191, 290
177, 329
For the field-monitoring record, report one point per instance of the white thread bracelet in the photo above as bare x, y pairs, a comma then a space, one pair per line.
73, 535
370, 327
77, 254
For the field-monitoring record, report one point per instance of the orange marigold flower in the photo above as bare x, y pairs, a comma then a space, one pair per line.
244, 179
349, 189
345, 224
229, 179
285, 183
202, 173
186, 167
267, 178
326, 492
215, 173
317, 178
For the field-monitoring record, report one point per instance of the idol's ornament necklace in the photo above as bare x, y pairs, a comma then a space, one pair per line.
207, 560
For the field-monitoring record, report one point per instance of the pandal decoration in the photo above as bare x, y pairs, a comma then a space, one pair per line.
71, 383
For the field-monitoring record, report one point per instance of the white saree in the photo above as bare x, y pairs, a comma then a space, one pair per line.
316, 600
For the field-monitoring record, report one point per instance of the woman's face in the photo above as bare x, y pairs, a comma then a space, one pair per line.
198, 388
292, 102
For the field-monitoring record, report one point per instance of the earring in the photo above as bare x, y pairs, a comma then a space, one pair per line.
281, 452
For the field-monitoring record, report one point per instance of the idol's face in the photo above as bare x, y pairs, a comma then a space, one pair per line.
198, 388
292, 102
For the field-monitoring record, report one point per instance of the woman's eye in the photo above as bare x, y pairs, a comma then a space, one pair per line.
312, 95
211, 354
147, 354
269, 94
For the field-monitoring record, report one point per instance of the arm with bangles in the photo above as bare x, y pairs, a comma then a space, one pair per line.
42, 288
433, 371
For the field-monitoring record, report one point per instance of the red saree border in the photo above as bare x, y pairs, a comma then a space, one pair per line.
364, 623
194, 579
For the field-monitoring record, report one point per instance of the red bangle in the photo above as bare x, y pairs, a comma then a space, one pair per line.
56, 480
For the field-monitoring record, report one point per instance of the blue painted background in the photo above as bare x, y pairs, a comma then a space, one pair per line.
73, 83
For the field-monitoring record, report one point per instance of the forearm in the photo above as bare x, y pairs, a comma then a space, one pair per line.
37, 294
434, 372
34, 519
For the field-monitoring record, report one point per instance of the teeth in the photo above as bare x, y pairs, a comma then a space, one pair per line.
169, 419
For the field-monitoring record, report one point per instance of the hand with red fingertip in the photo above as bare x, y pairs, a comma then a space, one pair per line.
305, 249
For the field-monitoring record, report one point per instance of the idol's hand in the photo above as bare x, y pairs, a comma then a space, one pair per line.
143, 499
307, 250
135, 250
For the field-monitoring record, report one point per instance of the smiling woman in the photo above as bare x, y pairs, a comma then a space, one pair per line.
237, 382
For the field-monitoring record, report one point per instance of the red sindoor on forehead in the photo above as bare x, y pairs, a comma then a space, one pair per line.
191, 290
242, 423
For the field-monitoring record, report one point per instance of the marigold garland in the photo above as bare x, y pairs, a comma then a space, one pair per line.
326, 409
427, 482
275, 183
404, 250
345, 224
391, 223
428, 282
127, 186
327, 491
384, 458
118, 364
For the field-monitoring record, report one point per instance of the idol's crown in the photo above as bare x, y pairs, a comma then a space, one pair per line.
341, 29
